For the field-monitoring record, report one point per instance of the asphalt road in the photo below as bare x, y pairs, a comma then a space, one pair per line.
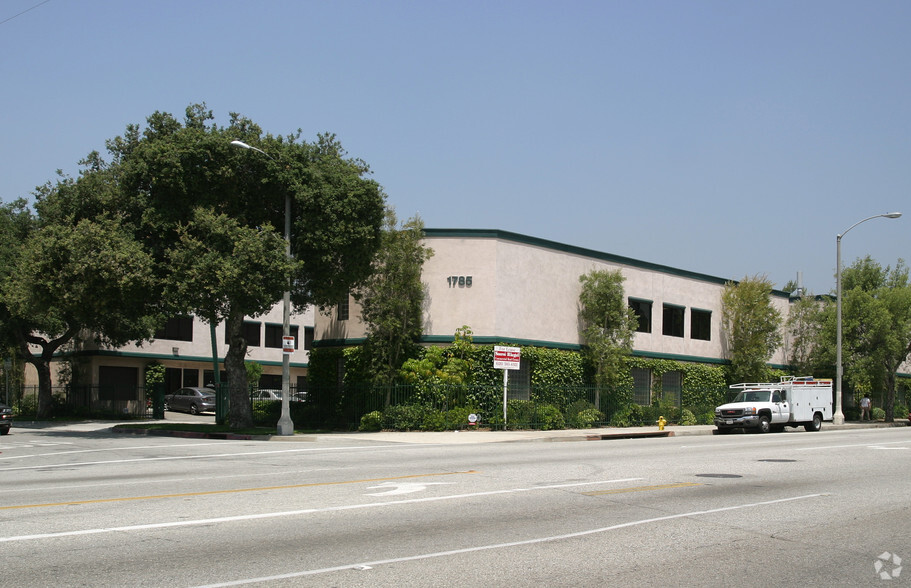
84, 508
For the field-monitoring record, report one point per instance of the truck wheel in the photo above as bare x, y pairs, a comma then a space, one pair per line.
764, 424
815, 424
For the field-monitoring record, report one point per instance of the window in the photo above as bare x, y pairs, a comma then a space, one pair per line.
251, 331
701, 324
117, 383
343, 309
518, 382
274, 335
643, 310
179, 328
270, 382
191, 378
642, 386
672, 321
671, 386
208, 377
308, 338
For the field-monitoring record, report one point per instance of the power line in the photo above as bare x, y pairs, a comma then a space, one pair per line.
23, 12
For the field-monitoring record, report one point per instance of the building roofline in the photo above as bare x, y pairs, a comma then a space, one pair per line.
582, 251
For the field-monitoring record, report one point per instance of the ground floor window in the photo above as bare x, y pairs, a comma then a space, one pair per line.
642, 386
671, 386
117, 383
518, 383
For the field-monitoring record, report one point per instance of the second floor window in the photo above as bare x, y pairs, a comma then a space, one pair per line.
178, 328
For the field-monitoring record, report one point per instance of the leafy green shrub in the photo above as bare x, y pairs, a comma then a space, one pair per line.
548, 417
621, 417
457, 418
372, 421
878, 414
687, 418
404, 417
587, 418
433, 420
582, 414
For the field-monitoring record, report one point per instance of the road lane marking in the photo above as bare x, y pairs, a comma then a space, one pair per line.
232, 491
868, 445
370, 564
394, 488
182, 457
642, 488
101, 449
306, 511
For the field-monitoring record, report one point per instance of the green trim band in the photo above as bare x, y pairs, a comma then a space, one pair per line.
157, 356
572, 249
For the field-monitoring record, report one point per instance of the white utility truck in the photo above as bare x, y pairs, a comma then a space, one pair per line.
792, 402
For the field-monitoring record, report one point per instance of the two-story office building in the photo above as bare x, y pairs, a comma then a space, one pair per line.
521, 290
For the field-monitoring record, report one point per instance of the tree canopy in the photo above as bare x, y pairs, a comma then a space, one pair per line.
392, 298
751, 325
606, 323
876, 328
212, 215
181, 221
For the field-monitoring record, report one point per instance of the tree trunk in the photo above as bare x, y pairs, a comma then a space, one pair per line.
889, 400
239, 414
42, 363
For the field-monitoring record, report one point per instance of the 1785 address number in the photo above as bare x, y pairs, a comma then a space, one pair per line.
459, 281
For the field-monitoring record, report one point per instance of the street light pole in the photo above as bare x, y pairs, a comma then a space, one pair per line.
839, 417
285, 424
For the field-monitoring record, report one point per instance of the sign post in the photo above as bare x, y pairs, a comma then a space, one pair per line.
506, 358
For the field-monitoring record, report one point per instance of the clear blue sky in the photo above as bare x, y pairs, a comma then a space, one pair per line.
731, 138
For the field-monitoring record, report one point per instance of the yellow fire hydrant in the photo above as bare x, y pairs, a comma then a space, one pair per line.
661, 422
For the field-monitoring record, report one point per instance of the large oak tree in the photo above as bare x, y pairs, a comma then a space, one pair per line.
212, 215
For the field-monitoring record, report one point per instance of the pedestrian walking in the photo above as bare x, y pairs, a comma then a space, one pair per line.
865, 404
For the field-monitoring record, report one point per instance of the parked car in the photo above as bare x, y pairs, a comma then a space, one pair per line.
191, 400
6, 419
275, 395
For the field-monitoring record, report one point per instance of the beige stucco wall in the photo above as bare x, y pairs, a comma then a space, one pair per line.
196, 354
528, 291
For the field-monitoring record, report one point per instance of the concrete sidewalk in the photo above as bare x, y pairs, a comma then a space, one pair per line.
420, 437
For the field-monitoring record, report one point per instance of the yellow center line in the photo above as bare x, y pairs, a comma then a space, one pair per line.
235, 491
642, 488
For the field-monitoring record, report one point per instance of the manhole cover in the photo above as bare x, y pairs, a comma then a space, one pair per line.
778, 460
718, 476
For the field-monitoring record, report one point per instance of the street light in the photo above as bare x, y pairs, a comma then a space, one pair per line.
839, 417
285, 424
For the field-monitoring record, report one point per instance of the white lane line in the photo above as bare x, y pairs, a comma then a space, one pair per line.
34, 455
184, 480
851, 445
181, 457
370, 564
272, 515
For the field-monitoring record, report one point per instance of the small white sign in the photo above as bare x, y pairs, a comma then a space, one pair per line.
506, 358
288, 345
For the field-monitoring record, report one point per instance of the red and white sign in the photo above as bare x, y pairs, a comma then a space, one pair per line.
506, 358
288, 344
